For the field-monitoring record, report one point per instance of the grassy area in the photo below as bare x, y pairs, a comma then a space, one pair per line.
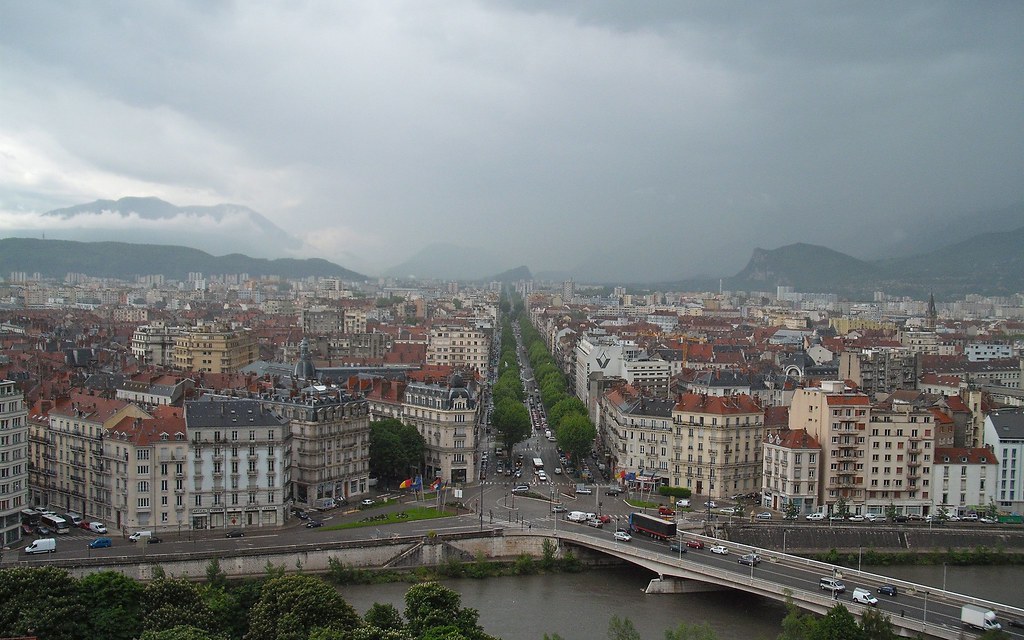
409, 515
642, 504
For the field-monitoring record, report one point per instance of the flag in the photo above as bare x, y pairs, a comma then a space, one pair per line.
436, 484
405, 484
630, 476
419, 483
622, 474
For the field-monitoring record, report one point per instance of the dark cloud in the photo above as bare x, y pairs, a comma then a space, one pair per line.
684, 134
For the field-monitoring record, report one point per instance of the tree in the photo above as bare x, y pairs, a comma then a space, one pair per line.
566, 406
796, 625
395, 448
384, 616
622, 629
838, 624
170, 603
113, 603
40, 601
431, 608
576, 435
842, 508
877, 626
791, 510
181, 632
511, 420
702, 631
292, 606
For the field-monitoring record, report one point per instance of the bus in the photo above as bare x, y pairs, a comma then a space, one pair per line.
55, 523
30, 517
538, 464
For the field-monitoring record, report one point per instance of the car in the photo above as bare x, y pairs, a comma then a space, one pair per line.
720, 550
622, 536
234, 533
751, 559
521, 488
584, 490
312, 524
874, 517
764, 515
43, 530
888, 590
901, 518
710, 504
604, 518
914, 517
675, 547
139, 535
154, 540
665, 511
558, 471
987, 520
300, 514
969, 517
367, 502
695, 544
731, 511
831, 584
835, 517
815, 516
612, 491
100, 543
543, 477
863, 596
682, 502
856, 518
594, 522
558, 508
97, 527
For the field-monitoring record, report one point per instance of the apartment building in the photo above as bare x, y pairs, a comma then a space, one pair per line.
14, 461
721, 440
215, 348
153, 344
144, 469
326, 322
792, 471
963, 479
445, 414
458, 346
880, 370
330, 443
901, 444
1004, 434
640, 438
651, 376
237, 466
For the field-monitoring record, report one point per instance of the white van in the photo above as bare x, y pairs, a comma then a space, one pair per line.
864, 596
140, 534
577, 516
42, 545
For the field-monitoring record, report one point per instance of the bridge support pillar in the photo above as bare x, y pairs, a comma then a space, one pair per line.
680, 585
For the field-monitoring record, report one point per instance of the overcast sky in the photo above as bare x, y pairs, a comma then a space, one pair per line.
552, 133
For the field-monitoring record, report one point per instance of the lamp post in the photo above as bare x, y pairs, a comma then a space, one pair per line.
860, 555
784, 532
943, 576
924, 618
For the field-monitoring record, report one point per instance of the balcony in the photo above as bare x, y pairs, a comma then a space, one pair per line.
76, 447
80, 464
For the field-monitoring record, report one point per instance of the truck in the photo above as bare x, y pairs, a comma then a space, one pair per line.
981, 618
657, 528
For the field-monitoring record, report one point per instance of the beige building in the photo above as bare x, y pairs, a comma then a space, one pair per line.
721, 441
153, 344
792, 471
459, 346
215, 348
14, 461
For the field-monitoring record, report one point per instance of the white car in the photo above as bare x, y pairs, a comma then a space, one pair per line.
815, 516
622, 536
558, 471
856, 518
720, 550
711, 504
682, 502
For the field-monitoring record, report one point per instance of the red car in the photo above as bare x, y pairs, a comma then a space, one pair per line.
695, 544
605, 519
665, 511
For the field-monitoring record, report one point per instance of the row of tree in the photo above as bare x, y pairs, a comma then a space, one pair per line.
567, 415
50, 604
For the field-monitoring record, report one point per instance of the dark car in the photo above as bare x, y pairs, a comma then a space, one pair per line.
612, 491
675, 547
888, 590
154, 540
900, 518
751, 559
314, 523
300, 514
234, 533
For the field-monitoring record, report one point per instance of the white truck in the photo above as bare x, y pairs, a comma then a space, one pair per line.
981, 618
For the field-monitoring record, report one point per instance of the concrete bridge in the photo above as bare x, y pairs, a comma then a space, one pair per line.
918, 609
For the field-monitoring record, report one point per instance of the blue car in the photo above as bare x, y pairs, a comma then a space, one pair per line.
100, 543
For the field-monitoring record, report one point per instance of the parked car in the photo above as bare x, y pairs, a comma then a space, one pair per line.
234, 533
816, 516
751, 559
665, 511
720, 550
622, 536
521, 488
695, 544
300, 514
558, 508
558, 471
987, 520
594, 522
367, 502
888, 590
154, 540
831, 584
856, 518
710, 504
764, 515
683, 502
100, 543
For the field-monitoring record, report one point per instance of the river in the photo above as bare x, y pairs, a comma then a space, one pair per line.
579, 606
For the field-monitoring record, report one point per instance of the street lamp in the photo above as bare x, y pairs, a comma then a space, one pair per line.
924, 618
943, 576
784, 532
860, 555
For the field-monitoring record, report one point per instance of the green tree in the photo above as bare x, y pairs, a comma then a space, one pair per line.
169, 603
890, 512
702, 631
877, 626
838, 624
991, 510
182, 632
395, 448
791, 510
40, 601
796, 625
842, 508
576, 435
567, 406
432, 609
384, 616
291, 606
511, 421
622, 629
113, 603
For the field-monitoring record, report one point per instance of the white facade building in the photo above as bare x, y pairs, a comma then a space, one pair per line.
13, 461
963, 479
1004, 433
